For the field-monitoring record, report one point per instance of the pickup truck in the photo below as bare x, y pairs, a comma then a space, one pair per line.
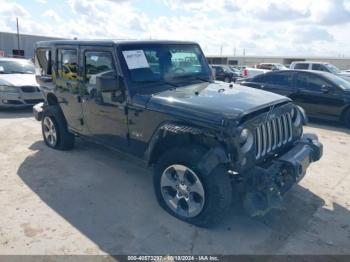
157, 100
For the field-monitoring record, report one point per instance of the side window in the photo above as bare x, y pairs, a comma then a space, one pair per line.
97, 63
219, 69
319, 67
67, 63
311, 82
301, 66
43, 61
265, 67
281, 79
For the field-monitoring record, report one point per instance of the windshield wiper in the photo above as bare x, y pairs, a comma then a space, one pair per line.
160, 82
199, 78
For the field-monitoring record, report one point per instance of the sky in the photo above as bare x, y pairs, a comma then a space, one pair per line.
256, 27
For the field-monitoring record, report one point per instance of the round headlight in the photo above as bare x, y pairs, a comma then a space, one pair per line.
246, 140
244, 136
296, 117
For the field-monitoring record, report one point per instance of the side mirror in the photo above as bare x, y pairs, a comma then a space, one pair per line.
107, 83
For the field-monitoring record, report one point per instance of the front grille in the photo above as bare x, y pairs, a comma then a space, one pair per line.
272, 135
29, 89
33, 101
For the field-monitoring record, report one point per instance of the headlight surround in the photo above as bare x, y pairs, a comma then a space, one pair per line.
296, 116
246, 140
8, 89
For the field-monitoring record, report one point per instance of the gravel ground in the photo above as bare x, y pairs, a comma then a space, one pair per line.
92, 200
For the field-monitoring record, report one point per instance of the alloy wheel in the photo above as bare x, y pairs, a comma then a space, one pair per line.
50, 132
182, 191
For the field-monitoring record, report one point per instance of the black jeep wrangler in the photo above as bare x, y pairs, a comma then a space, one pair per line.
157, 100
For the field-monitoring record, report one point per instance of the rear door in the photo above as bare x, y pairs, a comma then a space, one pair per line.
280, 83
104, 116
67, 83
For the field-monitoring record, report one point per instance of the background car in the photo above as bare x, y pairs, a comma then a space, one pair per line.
236, 70
18, 86
322, 95
224, 73
271, 66
320, 66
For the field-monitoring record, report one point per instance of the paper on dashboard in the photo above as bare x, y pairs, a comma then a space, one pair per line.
135, 59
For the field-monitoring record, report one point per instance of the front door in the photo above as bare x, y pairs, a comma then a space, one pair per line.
104, 117
67, 83
312, 97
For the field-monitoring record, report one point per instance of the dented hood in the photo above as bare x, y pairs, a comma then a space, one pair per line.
214, 100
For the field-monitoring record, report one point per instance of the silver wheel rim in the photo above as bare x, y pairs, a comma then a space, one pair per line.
182, 191
50, 132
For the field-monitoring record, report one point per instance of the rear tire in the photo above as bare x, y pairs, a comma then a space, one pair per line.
54, 129
216, 186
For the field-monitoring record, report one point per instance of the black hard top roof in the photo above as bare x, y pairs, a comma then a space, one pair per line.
108, 42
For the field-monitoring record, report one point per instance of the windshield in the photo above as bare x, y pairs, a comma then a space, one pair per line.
342, 83
163, 64
16, 67
333, 69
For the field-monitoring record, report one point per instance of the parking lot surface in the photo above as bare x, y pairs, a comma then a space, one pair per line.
92, 200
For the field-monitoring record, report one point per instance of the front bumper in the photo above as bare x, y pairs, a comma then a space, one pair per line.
20, 99
38, 111
266, 185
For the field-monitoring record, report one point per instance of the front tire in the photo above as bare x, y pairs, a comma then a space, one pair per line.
186, 192
54, 129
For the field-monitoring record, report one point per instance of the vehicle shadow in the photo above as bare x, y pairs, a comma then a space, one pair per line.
109, 198
329, 125
7, 113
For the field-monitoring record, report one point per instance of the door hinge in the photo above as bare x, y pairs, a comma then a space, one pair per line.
81, 121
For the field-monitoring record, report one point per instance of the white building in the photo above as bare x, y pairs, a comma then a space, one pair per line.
9, 44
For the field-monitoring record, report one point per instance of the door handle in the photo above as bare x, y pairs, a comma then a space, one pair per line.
262, 86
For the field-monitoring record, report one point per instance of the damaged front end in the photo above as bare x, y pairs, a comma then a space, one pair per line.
264, 185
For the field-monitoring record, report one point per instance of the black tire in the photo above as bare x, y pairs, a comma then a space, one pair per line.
65, 139
217, 185
346, 117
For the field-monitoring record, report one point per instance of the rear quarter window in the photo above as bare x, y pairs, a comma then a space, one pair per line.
301, 66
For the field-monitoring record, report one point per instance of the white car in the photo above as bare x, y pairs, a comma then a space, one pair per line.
320, 66
18, 86
262, 69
